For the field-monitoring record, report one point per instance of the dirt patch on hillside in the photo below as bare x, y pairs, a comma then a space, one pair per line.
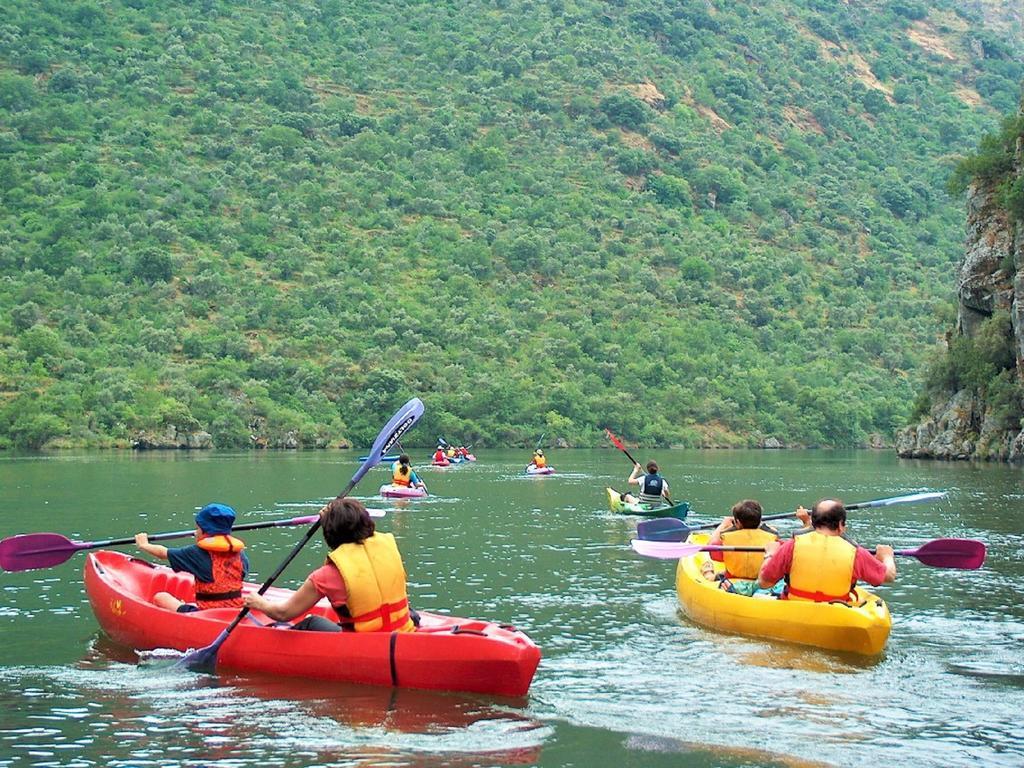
636, 140
866, 76
861, 70
717, 121
648, 93
968, 96
927, 37
802, 119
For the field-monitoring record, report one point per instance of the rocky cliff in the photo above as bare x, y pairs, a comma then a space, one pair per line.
970, 420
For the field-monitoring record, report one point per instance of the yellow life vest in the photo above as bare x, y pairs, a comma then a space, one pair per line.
745, 565
451, 453
822, 568
375, 582
397, 478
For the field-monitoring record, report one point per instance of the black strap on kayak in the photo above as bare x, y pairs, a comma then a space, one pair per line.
391, 653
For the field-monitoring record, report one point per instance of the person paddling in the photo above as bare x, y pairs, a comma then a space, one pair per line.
743, 528
363, 579
216, 561
439, 457
539, 460
653, 487
820, 564
404, 475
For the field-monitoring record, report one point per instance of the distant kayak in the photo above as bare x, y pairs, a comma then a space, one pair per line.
616, 504
532, 470
445, 463
392, 491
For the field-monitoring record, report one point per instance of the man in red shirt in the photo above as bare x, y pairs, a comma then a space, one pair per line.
821, 564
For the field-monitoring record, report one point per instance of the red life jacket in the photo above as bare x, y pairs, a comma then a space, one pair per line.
225, 591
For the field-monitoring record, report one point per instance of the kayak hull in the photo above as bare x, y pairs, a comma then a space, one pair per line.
616, 504
389, 491
445, 653
531, 470
861, 627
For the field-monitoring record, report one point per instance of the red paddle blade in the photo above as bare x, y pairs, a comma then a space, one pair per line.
615, 441
36, 550
964, 554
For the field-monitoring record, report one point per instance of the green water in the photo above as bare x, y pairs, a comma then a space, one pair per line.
625, 680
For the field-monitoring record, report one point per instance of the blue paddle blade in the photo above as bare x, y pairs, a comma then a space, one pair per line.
400, 423
662, 529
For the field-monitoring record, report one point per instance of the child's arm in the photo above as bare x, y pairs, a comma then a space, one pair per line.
156, 550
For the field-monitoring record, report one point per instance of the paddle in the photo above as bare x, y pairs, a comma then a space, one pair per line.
400, 423
618, 444
670, 529
962, 554
30, 551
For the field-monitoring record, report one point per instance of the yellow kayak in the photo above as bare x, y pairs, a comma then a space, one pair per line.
861, 627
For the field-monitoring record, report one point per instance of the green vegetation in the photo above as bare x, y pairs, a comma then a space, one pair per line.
694, 222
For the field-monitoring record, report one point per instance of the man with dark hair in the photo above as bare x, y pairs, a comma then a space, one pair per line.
820, 564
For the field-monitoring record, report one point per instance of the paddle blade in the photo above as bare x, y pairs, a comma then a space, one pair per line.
962, 554
399, 424
664, 550
662, 529
913, 498
36, 550
204, 659
615, 441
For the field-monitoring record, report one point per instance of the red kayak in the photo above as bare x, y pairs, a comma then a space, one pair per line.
445, 653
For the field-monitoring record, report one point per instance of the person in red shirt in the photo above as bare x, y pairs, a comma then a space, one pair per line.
820, 564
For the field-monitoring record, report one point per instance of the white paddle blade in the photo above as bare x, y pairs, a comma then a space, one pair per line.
913, 498
664, 550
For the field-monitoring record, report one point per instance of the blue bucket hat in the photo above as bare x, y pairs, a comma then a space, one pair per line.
215, 518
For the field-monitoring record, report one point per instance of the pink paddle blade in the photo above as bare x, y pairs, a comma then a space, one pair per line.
36, 550
963, 554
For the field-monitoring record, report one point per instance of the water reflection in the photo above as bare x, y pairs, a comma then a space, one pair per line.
134, 716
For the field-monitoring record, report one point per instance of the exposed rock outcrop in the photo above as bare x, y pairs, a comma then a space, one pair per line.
965, 424
171, 438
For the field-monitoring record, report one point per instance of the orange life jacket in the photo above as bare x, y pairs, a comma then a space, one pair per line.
225, 591
540, 462
374, 579
822, 568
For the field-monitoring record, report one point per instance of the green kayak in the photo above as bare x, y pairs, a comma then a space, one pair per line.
616, 503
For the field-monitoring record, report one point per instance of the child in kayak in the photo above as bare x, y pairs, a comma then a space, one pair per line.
216, 561
743, 528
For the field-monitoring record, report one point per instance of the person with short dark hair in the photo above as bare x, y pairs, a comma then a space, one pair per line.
820, 563
363, 579
653, 487
216, 561
743, 528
